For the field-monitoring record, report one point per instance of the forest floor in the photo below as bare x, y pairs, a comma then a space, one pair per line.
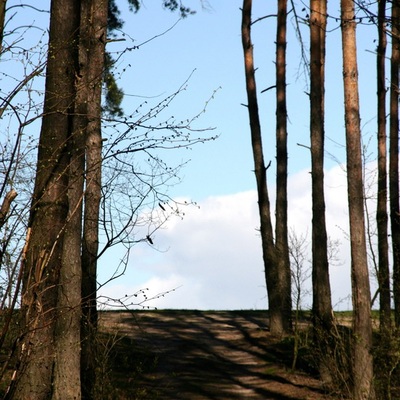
196, 355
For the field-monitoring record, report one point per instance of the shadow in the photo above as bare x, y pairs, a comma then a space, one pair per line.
193, 355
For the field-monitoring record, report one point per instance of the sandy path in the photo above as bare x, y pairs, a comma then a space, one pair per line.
196, 355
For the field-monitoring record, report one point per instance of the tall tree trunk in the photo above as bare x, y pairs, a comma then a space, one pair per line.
362, 328
381, 212
322, 306
67, 335
394, 156
322, 301
385, 320
277, 299
281, 227
45, 259
93, 39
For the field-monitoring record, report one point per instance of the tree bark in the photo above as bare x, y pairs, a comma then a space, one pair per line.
277, 298
5, 207
67, 335
322, 301
93, 40
45, 259
362, 328
322, 306
381, 212
281, 205
3, 4
394, 156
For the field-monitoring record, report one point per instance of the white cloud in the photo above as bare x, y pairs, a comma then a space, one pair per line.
213, 256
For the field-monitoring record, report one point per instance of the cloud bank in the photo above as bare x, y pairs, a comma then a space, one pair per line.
213, 256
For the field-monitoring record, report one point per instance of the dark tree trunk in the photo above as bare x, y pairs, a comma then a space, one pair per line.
281, 227
385, 320
49, 212
381, 212
322, 302
322, 306
277, 294
362, 329
394, 156
93, 39
67, 334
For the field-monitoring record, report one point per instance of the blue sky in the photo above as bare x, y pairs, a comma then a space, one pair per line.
213, 255
209, 42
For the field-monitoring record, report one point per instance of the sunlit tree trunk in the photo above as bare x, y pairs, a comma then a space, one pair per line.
394, 156
278, 295
67, 335
47, 267
362, 329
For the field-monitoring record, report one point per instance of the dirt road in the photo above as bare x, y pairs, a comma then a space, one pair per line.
196, 355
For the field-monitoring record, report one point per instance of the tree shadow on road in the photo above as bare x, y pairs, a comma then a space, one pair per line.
197, 355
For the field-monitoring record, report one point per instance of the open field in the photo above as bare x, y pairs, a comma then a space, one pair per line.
197, 355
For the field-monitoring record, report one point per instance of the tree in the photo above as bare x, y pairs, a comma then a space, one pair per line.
394, 156
40, 373
298, 249
16, 148
322, 304
381, 211
276, 260
322, 308
93, 34
60, 264
281, 205
362, 329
